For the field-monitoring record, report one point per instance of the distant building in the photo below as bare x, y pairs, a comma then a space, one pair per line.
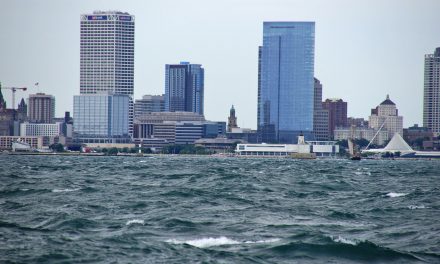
48, 130
285, 87
184, 87
148, 104
320, 115
101, 118
156, 130
337, 111
243, 134
431, 95
232, 119
41, 108
415, 136
107, 55
386, 117
10, 119
344, 133
357, 122
219, 144
34, 142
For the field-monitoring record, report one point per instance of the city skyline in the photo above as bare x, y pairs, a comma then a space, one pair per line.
359, 50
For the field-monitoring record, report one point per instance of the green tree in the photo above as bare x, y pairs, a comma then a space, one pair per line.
112, 151
57, 147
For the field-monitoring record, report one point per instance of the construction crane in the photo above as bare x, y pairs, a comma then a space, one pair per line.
14, 89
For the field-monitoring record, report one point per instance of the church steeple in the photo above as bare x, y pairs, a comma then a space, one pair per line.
232, 120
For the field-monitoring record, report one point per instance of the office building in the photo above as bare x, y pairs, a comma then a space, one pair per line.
286, 84
107, 55
148, 104
41, 108
101, 118
33, 129
184, 87
431, 95
320, 115
337, 114
386, 117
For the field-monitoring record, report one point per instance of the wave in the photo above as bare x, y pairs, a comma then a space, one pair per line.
219, 241
343, 248
134, 222
65, 190
413, 207
394, 195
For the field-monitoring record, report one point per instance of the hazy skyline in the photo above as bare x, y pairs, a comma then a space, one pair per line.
364, 49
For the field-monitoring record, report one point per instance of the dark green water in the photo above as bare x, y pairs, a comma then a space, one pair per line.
56, 209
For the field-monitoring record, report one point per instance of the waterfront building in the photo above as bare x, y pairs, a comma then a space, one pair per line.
417, 136
148, 104
320, 115
101, 118
156, 130
286, 84
386, 117
219, 144
304, 149
344, 133
431, 94
337, 112
232, 119
34, 142
41, 108
107, 55
184, 87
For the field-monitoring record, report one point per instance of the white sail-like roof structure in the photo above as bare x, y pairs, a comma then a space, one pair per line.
396, 144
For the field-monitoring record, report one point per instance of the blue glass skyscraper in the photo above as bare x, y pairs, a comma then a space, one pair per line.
286, 81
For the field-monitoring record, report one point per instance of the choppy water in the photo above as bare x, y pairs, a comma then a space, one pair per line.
221, 210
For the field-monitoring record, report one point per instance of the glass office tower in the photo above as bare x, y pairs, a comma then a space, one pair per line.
286, 83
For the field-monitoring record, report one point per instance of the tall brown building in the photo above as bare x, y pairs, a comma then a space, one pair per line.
337, 114
41, 108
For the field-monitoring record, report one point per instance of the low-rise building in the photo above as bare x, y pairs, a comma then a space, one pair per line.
344, 133
34, 142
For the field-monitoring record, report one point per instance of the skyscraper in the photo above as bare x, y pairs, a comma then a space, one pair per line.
285, 105
184, 87
320, 115
232, 119
431, 95
107, 55
41, 108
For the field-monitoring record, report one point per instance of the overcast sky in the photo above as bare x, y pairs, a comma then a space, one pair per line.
364, 49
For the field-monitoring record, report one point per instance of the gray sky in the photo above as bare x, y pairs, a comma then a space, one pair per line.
364, 49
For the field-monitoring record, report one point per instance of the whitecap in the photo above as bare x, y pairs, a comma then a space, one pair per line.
135, 221
413, 207
394, 195
219, 241
65, 190
339, 239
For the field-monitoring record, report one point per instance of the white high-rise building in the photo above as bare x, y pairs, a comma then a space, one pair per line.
107, 55
386, 117
431, 96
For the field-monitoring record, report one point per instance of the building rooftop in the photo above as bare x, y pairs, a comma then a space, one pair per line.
387, 101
